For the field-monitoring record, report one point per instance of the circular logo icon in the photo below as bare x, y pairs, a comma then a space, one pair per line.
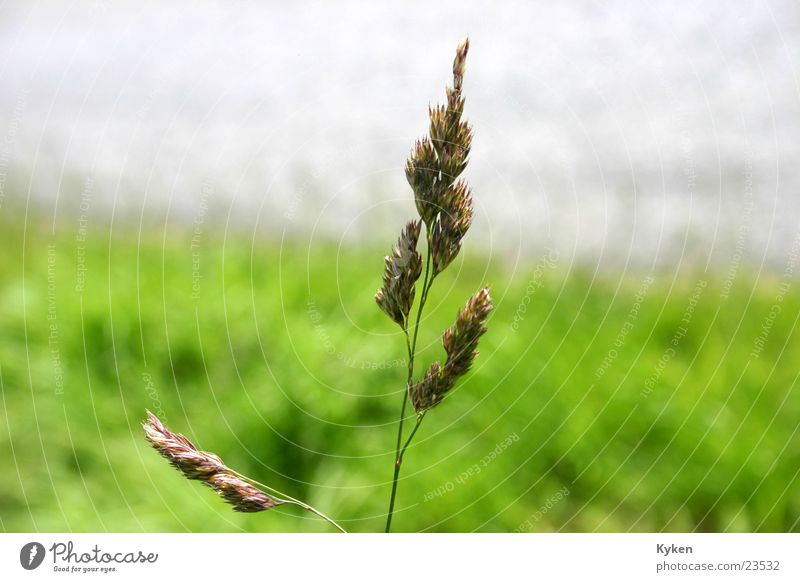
31, 555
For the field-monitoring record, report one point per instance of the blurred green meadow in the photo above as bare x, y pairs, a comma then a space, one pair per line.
599, 402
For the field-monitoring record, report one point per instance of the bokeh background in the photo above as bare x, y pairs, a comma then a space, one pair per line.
195, 199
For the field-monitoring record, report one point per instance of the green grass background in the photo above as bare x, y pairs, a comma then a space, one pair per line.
286, 368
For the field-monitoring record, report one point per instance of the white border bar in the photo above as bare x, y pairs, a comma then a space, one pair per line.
378, 557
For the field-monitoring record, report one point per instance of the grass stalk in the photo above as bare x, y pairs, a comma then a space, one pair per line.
288, 499
427, 281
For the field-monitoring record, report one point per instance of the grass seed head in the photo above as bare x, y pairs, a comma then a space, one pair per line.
242, 495
461, 345
206, 467
459, 63
422, 173
451, 225
429, 391
401, 271
461, 339
436, 162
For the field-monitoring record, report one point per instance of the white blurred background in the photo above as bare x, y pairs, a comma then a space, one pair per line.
647, 133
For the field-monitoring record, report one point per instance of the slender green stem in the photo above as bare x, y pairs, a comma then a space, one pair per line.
411, 436
411, 347
405, 393
426, 285
397, 463
287, 499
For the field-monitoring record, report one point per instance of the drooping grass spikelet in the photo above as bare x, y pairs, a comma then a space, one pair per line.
243, 496
205, 467
402, 269
180, 452
461, 345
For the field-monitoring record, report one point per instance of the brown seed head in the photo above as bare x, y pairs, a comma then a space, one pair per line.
422, 173
243, 496
459, 63
400, 274
205, 467
460, 342
451, 225
429, 391
436, 163
180, 451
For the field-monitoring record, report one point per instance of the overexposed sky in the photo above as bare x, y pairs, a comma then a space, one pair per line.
645, 131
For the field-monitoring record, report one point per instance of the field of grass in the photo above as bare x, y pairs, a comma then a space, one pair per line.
599, 403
